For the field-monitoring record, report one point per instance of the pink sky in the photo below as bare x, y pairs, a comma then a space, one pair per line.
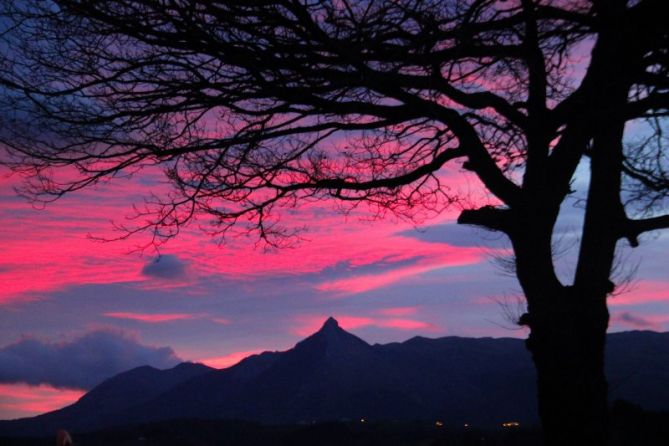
217, 304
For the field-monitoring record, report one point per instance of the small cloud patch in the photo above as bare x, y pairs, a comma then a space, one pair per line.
165, 266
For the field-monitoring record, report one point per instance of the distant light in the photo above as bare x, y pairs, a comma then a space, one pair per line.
362, 420
439, 423
510, 424
466, 424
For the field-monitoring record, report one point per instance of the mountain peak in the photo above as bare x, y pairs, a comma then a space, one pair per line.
330, 324
331, 337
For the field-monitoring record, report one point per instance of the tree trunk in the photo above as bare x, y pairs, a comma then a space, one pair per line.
567, 339
567, 347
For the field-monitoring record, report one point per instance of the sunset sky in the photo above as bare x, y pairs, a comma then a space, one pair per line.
76, 311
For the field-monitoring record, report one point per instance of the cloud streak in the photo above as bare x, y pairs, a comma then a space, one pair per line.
151, 318
646, 291
366, 282
305, 325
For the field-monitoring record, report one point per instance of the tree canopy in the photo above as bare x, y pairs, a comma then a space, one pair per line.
251, 106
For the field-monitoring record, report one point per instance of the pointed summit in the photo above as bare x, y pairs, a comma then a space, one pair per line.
332, 338
330, 324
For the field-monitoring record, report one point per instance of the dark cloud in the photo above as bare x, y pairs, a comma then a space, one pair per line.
166, 266
81, 363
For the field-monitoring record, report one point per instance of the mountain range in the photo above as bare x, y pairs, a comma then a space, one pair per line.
334, 375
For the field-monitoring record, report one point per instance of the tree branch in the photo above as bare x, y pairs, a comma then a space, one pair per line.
490, 217
633, 228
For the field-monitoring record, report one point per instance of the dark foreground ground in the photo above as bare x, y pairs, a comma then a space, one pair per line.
630, 426
206, 433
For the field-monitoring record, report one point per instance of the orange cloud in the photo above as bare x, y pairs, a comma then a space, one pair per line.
23, 400
56, 245
406, 324
643, 292
221, 362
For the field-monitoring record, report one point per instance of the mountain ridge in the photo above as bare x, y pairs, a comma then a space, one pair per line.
335, 375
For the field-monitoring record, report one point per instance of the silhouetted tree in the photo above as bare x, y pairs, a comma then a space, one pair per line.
252, 105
